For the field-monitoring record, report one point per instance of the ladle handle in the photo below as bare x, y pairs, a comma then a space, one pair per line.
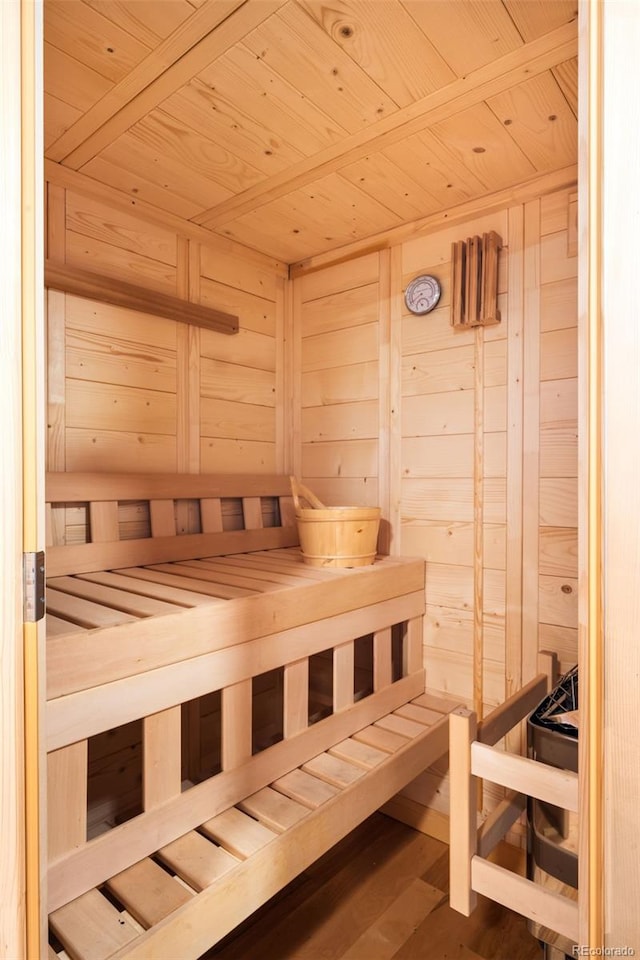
299, 490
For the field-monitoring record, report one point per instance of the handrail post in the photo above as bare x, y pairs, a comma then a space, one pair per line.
463, 838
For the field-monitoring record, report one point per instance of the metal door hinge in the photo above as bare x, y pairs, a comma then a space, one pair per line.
33, 583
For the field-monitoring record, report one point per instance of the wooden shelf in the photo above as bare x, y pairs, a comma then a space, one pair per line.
82, 283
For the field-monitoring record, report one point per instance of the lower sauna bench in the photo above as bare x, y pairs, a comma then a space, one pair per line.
219, 713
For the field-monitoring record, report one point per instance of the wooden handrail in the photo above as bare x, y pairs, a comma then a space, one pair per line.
94, 286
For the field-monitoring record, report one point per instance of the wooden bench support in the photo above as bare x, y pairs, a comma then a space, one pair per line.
297, 819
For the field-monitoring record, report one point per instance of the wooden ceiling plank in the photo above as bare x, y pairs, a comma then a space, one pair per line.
72, 81
378, 176
489, 80
92, 38
138, 188
488, 203
74, 180
483, 144
437, 168
538, 117
193, 46
468, 35
58, 117
295, 46
267, 96
137, 152
146, 20
172, 140
203, 109
535, 19
382, 39
567, 76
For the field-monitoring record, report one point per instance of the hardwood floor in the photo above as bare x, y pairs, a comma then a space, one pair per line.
381, 894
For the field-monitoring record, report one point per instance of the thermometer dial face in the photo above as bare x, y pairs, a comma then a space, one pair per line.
422, 294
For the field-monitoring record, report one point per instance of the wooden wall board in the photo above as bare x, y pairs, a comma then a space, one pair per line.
343, 308
338, 385
255, 313
102, 258
358, 458
559, 354
237, 456
91, 218
232, 381
559, 551
555, 264
233, 420
558, 501
558, 600
554, 212
327, 350
345, 421
108, 450
451, 498
558, 305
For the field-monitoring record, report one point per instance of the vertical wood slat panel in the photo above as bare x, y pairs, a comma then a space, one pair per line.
161, 757
103, 518
161, 732
211, 515
385, 360
412, 650
296, 697
163, 518
67, 772
343, 668
382, 672
236, 724
478, 528
531, 440
395, 401
252, 512
515, 361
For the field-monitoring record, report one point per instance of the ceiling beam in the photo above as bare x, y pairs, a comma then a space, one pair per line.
192, 47
516, 67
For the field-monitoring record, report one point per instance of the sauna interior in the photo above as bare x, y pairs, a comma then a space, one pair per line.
278, 172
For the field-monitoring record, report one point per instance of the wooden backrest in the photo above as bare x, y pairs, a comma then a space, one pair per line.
179, 517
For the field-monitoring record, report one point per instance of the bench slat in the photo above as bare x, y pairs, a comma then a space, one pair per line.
146, 588
302, 787
239, 834
334, 770
358, 753
148, 892
196, 860
86, 613
273, 809
380, 738
90, 928
136, 605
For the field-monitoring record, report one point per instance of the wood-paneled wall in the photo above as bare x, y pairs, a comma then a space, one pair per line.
132, 392
467, 439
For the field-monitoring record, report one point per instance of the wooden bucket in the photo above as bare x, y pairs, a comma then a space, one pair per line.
335, 536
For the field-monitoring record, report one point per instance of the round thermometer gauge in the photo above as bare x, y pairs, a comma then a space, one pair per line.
422, 294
